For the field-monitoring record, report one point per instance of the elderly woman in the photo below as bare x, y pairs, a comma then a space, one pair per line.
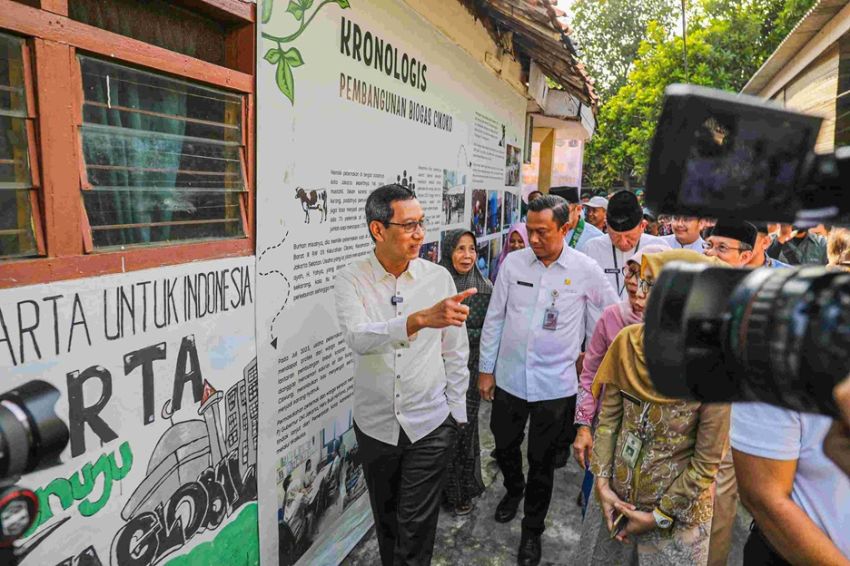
464, 474
654, 458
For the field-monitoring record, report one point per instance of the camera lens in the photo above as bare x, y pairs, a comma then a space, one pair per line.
779, 336
30, 432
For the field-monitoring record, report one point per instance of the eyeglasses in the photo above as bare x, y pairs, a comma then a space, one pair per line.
629, 272
644, 286
720, 248
410, 227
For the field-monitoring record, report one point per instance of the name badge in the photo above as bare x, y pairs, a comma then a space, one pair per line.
550, 319
631, 449
524, 284
611, 270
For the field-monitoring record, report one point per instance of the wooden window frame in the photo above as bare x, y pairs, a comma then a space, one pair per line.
63, 232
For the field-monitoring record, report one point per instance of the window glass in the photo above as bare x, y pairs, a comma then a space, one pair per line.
17, 233
163, 157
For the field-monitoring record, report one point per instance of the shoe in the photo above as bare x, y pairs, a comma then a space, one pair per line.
507, 507
529, 550
462, 509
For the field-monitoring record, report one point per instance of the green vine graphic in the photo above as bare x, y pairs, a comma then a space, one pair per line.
287, 59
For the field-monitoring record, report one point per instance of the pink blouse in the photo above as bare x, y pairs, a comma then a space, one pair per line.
609, 325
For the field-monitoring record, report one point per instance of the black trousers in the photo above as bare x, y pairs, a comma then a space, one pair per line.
405, 485
758, 552
545, 433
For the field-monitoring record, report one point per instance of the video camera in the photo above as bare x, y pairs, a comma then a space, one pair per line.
31, 437
780, 336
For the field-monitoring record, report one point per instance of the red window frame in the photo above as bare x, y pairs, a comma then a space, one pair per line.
54, 40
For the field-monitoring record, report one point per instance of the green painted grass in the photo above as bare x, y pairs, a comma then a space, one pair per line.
236, 545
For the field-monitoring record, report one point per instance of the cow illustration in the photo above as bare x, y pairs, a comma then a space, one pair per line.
314, 200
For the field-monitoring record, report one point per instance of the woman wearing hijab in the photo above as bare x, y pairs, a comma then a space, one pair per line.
654, 458
614, 318
464, 472
517, 240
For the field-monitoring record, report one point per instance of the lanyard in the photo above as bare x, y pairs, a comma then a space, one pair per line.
577, 233
617, 268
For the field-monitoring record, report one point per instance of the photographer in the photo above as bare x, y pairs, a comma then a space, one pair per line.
799, 499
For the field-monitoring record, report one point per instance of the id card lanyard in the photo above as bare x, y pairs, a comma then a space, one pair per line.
617, 268
633, 449
579, 230
550, 315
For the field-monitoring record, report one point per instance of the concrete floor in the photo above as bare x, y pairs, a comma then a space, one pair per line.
477, 539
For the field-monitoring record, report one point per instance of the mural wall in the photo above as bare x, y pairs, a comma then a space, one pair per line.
353, 94
159, 386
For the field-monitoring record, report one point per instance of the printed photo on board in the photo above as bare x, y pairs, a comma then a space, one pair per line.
316, 488
494, 212
430, 251
454, 197
479, 211
511, 209
513, 162
483, 260
495, 251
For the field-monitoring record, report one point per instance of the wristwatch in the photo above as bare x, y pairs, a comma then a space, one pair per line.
662, 520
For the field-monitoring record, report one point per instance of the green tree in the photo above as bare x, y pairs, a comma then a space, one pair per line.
727, 42
609, 33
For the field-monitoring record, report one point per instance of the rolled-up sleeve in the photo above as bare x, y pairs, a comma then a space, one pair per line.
362, 335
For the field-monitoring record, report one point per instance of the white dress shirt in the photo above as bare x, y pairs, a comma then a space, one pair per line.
530, 362
398, 381
696, 245
612, 260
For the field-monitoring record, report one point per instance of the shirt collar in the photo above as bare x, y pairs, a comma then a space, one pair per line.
380, 273
562, 259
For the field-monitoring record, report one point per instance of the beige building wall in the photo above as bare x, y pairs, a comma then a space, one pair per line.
458, 25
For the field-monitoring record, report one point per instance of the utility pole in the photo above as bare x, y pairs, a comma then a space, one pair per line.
685, 39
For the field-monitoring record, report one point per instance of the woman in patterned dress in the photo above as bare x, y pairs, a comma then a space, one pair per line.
464, 474
654, 458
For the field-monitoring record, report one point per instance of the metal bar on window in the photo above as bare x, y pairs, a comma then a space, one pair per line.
170, 223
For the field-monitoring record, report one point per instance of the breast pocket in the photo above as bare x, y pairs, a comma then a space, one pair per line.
570, 307
522, 295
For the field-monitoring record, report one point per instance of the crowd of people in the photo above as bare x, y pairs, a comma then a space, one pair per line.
556, 344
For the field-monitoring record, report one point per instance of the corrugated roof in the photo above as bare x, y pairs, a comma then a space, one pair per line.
541, 32
807, 28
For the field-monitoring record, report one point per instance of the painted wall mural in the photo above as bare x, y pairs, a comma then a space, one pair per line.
159, 387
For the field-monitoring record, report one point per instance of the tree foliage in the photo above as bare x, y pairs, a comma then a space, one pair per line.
727, 41
609, 33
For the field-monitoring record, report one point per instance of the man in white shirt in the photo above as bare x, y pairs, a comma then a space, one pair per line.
595, 211
579, 230
799, 499
624, 238
686, 233
410, 373
546, 301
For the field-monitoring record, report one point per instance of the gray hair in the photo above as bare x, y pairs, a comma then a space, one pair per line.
379, 205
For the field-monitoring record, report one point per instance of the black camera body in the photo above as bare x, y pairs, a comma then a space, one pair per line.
780, 336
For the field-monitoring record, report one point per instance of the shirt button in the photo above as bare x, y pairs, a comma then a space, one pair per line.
397, 413
398, 395
398, 377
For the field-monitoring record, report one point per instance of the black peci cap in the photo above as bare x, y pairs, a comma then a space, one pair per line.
624, 211
739, 230
569, 194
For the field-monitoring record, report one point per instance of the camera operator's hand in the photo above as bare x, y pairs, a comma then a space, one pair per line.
836, 445
448, 312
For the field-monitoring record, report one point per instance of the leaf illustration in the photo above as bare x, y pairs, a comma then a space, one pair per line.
272, 56
343, 4
267, 10
296, 9
293, 57
306, 4
285, 82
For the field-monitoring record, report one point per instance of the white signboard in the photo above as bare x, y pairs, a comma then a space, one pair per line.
352, 96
